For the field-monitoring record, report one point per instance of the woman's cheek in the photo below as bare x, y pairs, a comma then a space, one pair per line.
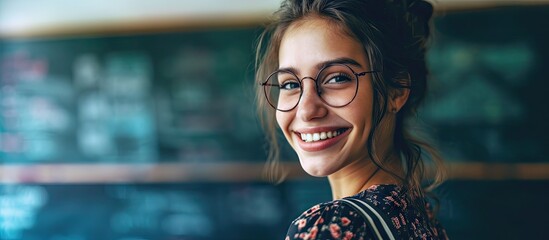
283, 121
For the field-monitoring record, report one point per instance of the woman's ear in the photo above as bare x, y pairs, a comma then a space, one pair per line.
399, 96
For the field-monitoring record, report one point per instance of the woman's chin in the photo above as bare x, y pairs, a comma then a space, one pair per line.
317, 170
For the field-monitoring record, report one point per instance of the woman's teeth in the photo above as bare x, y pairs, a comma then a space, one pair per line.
313, 137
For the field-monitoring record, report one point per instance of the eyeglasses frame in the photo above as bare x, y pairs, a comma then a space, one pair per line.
357, 75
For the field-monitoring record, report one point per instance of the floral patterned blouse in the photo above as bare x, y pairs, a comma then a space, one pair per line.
337, 220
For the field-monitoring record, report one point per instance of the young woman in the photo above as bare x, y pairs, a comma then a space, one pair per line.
340, 79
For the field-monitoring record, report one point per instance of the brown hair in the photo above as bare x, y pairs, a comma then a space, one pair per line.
394, 34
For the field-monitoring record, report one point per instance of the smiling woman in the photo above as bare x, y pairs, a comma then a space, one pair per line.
303, 47
339, 79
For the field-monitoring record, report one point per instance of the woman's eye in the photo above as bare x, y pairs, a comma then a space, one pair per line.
289, 85
337, 79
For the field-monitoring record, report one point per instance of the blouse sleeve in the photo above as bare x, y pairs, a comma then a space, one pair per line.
333, 220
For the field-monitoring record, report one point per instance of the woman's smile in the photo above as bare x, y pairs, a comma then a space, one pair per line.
319, 139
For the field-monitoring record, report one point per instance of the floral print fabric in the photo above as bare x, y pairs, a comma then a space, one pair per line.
337, 220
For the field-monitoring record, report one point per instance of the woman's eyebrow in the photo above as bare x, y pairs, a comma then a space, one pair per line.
289, 69
343, 60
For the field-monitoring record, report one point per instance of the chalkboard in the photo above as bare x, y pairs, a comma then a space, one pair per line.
487, 85
148, 98
156, 211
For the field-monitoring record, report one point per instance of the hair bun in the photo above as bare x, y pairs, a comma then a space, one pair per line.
421, 9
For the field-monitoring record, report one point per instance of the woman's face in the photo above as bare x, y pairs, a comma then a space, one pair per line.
304, 47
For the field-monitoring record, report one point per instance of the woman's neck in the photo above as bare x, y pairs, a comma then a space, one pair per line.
360, 175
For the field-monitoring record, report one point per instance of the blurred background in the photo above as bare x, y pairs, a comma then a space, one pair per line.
134, 120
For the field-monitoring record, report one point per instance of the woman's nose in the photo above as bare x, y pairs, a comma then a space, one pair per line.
310, 105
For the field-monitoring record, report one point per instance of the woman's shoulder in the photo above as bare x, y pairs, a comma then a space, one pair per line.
402, 212
339, 220
329, 220
385, 197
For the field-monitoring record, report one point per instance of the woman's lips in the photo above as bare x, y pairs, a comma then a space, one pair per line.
313, 141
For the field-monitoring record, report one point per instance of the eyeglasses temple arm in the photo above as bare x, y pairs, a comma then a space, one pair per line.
364, 73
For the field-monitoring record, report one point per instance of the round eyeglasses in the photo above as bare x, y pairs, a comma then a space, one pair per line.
336, 85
